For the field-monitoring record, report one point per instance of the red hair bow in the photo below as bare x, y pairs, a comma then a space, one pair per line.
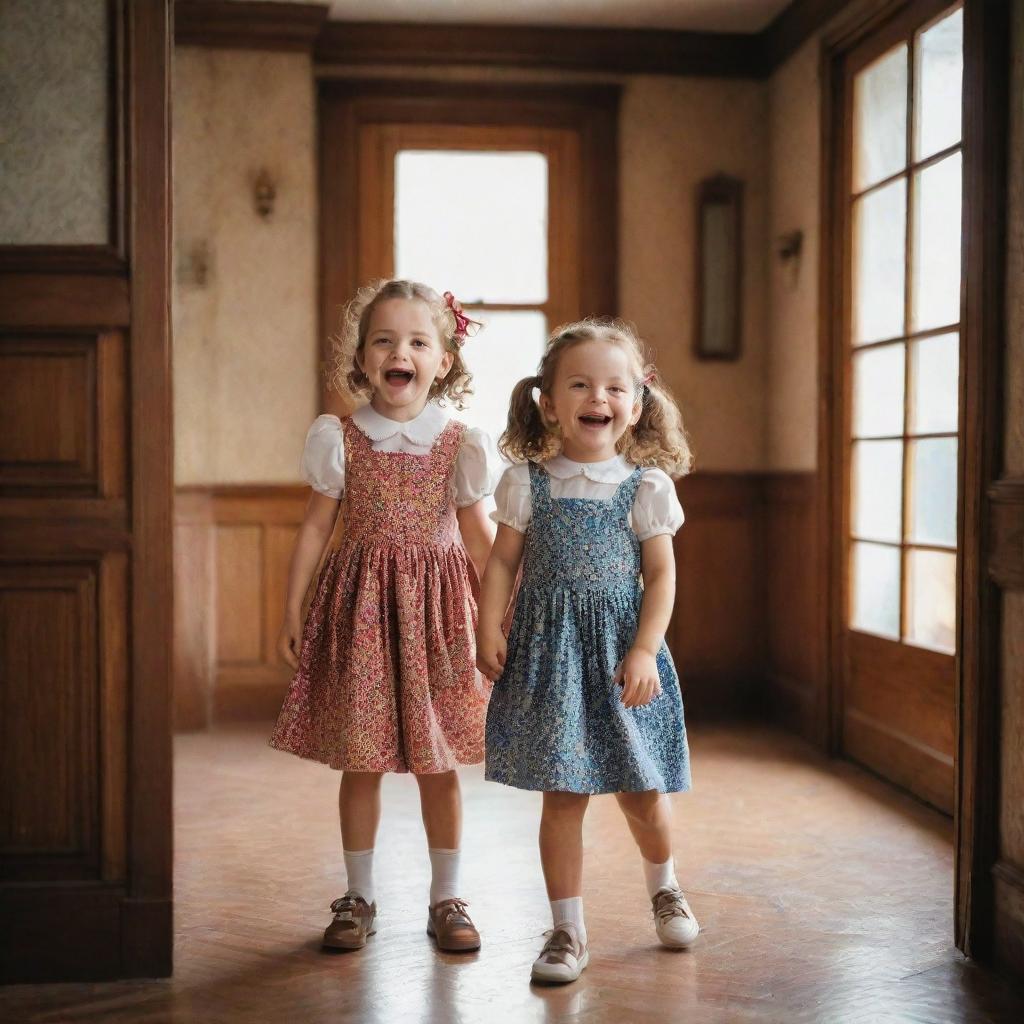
462, 322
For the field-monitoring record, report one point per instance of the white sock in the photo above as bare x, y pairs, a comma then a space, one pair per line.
359, 869
444, 875
569, 911
659, 876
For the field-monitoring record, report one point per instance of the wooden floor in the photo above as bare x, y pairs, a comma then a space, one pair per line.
824, 897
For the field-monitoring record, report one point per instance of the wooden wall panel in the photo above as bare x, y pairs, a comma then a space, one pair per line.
794, 687
717, 629
232, 547
239, 600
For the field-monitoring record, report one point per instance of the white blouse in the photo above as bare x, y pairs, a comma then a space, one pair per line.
477, 467
656, 509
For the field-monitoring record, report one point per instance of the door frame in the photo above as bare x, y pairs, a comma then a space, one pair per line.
344, 105
985, 121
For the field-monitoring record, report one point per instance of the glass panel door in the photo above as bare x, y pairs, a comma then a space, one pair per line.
902, 188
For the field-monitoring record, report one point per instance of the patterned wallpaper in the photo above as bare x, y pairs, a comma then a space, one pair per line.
54, 152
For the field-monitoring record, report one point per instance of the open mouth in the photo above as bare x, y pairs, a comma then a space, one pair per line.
399, 378
596, 421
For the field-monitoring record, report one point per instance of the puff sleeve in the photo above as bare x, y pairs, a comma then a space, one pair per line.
323, 458
512, 498
656, 509
477, 468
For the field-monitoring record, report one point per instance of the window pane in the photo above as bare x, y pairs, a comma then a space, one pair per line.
880, 119
507, 349
875, 590
932, 491
931, 600
878, 261
877, 500
940, 68
936, 273
878, 391
934, 373
475, 224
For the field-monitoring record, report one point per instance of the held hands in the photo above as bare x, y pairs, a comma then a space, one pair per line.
290, 638
491, 647
638, 676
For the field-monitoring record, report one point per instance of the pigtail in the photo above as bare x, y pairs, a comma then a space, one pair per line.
526, 436
658, 438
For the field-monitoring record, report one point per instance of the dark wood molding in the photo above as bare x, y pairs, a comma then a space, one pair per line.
793, 27
152, 444
305, 27
248, 26
614, 51
1006, 533
50, 300
986, 120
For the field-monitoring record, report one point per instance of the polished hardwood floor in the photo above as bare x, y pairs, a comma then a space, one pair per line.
824, 895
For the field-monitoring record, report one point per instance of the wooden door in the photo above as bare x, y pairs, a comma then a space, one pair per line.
85, 498
366, 128
899, 189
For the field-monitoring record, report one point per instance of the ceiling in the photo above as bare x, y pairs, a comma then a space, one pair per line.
694, 15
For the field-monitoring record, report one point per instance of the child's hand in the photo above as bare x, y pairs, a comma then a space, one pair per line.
289, 639
490, 653
638, 675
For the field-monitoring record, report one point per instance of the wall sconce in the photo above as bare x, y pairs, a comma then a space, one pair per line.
264, 192
789, 248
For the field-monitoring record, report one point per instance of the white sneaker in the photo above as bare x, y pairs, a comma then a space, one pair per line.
563, 957
676, 926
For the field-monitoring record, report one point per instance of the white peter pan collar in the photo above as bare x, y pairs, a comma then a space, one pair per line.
610, 471
421, 430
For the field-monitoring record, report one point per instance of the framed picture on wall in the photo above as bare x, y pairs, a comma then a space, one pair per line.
719, 298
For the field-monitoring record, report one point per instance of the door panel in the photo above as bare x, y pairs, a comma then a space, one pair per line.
900, 186
85, 495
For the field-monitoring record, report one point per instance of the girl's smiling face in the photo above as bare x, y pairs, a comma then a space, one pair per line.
403, 354
593, 399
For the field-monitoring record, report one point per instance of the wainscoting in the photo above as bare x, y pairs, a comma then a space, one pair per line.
743, 632
231, 551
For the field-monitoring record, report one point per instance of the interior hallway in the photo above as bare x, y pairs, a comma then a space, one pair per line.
824, 896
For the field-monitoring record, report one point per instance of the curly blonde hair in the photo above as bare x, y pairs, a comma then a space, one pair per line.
343, 372
656, 439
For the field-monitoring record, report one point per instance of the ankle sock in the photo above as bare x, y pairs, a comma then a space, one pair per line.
444, 875
569, 911
659, 876
359, 869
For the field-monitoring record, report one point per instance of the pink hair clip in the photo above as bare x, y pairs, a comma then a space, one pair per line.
462, 322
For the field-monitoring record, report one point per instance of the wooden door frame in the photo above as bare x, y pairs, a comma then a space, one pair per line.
986, 105
346, 104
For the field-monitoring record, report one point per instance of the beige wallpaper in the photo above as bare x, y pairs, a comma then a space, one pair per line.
54, 152
674, 132
245, 345
794, 166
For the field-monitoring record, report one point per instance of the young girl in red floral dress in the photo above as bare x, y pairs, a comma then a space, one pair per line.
385, 675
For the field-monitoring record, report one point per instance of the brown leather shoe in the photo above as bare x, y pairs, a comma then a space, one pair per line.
352, 924
449, 925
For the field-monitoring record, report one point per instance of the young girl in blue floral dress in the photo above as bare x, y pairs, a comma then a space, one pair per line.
586, 698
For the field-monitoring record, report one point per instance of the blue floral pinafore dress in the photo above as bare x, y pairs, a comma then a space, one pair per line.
556, 721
